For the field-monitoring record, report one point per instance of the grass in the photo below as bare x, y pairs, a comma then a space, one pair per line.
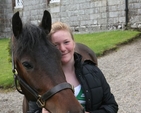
98, 42
6, 76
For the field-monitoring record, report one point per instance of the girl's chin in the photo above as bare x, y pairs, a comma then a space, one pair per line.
64, 60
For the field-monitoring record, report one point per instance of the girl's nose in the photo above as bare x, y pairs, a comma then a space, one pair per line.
62, 47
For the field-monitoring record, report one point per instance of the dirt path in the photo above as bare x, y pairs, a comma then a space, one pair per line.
10, 102
122, 69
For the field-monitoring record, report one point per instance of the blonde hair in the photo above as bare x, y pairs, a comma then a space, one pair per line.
60, 26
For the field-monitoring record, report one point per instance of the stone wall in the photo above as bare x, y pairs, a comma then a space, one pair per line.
135, 13
81, 15
5, 18
96, 15
32, 11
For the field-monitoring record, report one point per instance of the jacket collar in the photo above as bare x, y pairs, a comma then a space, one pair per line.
77, 59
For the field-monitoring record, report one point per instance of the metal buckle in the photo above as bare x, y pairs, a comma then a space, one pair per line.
15, 71
40, 102
72, 87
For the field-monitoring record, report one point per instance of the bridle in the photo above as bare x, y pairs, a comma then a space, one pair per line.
41, 99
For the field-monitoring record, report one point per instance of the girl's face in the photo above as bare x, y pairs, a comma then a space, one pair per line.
63, 41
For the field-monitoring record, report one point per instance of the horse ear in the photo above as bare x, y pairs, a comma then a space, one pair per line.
16, 24
46, 21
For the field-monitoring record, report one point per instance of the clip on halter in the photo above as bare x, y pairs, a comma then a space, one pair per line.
16, 80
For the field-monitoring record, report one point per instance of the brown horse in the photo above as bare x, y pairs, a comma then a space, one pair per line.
37, 67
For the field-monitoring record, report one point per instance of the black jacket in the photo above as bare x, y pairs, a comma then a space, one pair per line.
99, 98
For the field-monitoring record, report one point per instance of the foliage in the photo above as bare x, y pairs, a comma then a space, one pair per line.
6, 78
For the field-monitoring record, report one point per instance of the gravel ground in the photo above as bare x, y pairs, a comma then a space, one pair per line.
122, 68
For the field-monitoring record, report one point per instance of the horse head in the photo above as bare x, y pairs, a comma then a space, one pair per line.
37, 67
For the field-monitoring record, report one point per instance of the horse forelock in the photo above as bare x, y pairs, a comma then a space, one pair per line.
31, 37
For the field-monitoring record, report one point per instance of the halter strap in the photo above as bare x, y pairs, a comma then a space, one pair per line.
41, 99
53, 91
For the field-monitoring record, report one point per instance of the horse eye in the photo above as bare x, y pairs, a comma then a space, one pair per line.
27, 65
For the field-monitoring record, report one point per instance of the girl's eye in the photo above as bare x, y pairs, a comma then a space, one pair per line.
66, 42
55, 44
